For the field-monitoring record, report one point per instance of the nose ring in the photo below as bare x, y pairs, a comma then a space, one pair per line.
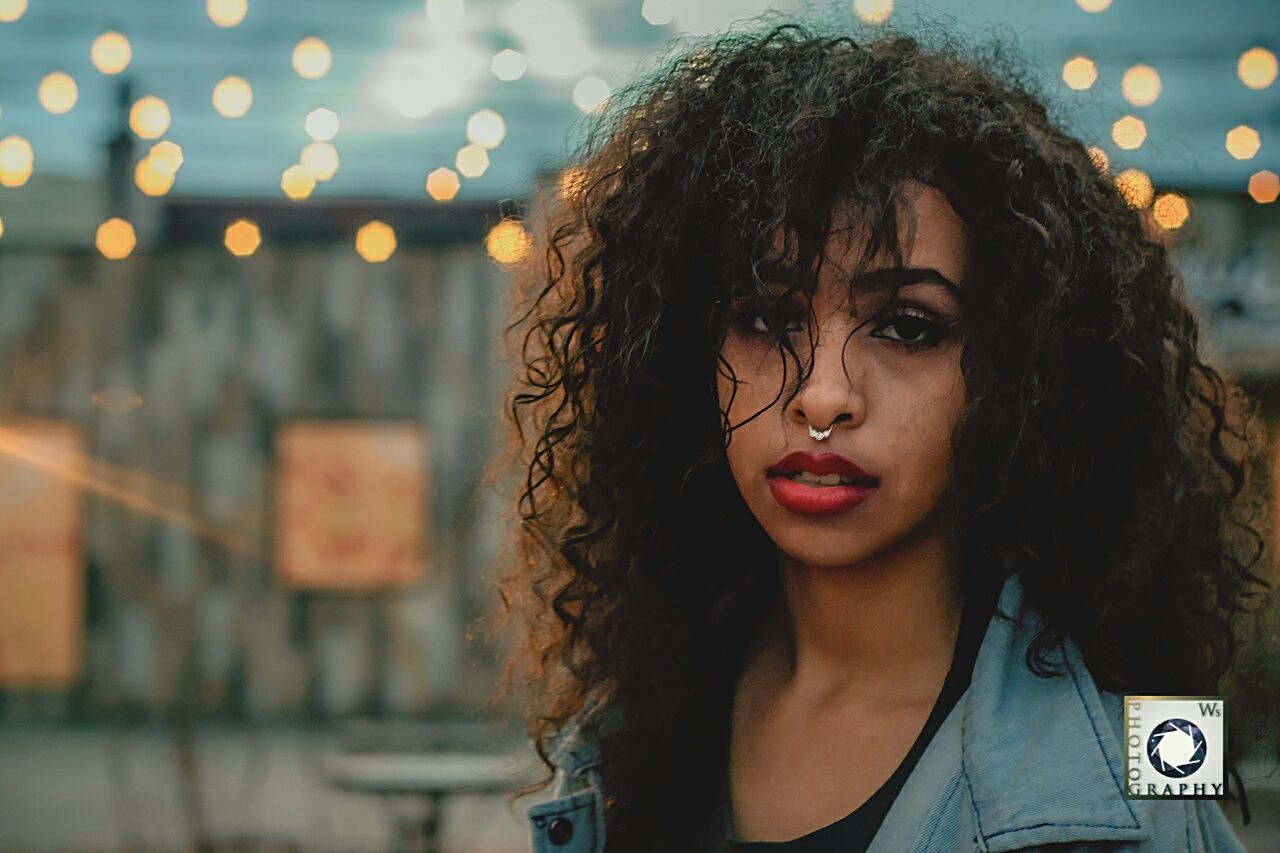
813, 433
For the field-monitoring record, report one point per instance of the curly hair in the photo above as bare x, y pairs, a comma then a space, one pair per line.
1098, 454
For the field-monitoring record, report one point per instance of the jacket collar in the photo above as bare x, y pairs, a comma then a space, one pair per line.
1042, 756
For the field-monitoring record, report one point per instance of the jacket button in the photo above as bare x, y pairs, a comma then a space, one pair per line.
560, 831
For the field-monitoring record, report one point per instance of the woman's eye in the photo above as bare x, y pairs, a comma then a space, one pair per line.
760, 325
912, 328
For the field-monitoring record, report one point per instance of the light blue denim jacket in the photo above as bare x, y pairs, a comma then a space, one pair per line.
1019, 762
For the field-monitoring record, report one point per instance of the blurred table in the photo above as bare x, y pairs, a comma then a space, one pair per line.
434, 776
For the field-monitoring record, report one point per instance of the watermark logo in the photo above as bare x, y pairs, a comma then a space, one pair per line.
1174, 747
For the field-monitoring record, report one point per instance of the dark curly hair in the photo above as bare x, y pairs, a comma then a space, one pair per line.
1098, 453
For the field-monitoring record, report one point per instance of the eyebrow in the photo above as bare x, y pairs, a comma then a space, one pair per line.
785, 275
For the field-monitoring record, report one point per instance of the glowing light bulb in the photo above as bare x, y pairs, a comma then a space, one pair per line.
658, 12
1129, 133
232, 97
1243, 142
1257, 68
242, 238
509, 65
1170, 211
12, 10
443, 184
115, 239
17, 161
312, 58
150, 179
508, 242
297, 182
1094, 5
375, 241
111, 52
1136, 187
873, 11
1264, 186
58, 92
322, 124
1079, 72
590, 93
472, 161
486, 128
320, 159
227, 13
1141, 85
166, 156
149, 117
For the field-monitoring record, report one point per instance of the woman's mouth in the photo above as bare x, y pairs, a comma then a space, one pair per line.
809, 494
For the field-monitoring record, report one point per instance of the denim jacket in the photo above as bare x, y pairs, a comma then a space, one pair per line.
1020, 762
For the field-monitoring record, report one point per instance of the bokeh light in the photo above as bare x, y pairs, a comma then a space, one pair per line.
472, 161
111, 52
115, 238
1, 226
486, 128
508, 242
1243, 142
166, 156
227, 13
658, 12
58, 92
232, 97
443, 184
1170, 211
1264, 186
322, 124
1079, 72
1129, 133
149, 117
150, 179
873, 11
446, 15
17, 161
590, 93
571, 183
1101, 161
1141, 85
1257, 68
312, 58
320, 159
1094, 5
1135, 186
242, 238
375, 241
508, 65
12, 10
297, 182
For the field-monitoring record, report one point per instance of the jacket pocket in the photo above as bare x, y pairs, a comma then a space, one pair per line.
569, 824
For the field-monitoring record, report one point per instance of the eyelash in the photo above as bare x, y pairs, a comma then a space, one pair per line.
935, 331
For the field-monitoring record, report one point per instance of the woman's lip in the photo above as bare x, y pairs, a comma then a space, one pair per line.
817, 500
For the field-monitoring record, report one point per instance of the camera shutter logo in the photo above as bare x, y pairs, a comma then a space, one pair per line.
1174, 747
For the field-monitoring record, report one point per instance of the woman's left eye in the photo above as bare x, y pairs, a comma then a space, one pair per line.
913, 328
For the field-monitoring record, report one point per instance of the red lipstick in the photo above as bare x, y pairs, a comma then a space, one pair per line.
819, 500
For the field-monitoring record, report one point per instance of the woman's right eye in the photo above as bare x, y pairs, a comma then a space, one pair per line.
756, 322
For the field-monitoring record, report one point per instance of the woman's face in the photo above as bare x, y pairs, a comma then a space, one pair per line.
892, 388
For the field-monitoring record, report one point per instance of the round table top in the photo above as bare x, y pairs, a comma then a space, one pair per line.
432, 772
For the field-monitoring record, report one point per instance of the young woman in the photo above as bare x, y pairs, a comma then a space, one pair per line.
869, 460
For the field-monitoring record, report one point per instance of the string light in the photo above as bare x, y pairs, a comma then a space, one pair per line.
150, 179
1141, 85
375, 241
115, 239
1257, 68
590, 93
507, 242
472, 161
149, 117
166, 156
1135, 186
1243, 142
297, 182
312, 58
1129, 133
486, 128
1, 226
443, 184
508, 65
227, 13
58, 92
658, 12
1170, 211
12, 10
1094, 5
232, 97
322, 124
320, 159
873, 11
17, 161
1264, 186
242, 238
111, 52
1079, 72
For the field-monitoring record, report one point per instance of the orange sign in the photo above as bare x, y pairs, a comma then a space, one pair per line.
350, 504
41, 577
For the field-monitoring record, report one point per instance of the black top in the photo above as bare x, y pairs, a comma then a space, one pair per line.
853, 832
